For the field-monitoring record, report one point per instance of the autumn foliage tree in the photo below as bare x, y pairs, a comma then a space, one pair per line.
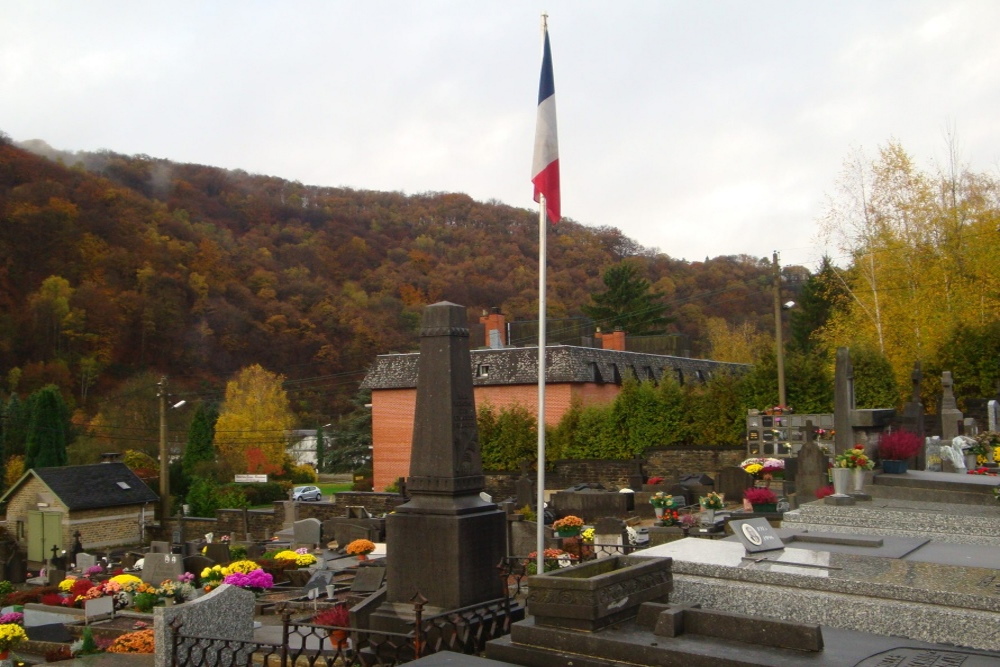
254, 416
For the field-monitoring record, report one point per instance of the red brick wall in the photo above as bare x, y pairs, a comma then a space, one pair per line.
393, 413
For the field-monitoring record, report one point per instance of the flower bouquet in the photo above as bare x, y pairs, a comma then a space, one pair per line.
568, 526
711, 501
855, 458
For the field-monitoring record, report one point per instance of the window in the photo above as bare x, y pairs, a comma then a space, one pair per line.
124, 486
482, 370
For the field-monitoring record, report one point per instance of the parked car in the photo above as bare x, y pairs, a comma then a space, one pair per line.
307, 493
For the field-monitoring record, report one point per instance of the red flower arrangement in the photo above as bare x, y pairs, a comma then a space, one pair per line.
760, 496
899, 445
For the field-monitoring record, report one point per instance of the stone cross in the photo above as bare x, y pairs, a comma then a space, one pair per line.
951, 416
843, 401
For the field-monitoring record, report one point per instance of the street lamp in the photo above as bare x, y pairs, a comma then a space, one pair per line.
779, 345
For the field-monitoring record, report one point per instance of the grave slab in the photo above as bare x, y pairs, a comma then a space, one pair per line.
932, 602
158, 567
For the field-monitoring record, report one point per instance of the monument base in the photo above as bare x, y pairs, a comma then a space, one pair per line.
457, 557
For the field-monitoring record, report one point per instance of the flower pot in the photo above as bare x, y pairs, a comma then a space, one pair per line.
4, 654
568, 532
338, 638
894, 467
765, 507
707, 516
362, 556
858, 478
841, 481
659, 512
971, 461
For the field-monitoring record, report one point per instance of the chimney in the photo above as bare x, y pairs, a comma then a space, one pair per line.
612, 341
496, 329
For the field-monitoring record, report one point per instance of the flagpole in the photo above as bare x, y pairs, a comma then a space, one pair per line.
542, 251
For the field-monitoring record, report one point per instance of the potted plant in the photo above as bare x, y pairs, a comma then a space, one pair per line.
662, 503
360, 548
11, 636
338, 618
763, 500
895, 448
568, 526
710, 503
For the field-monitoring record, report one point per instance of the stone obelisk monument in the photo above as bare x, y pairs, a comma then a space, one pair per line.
446, 542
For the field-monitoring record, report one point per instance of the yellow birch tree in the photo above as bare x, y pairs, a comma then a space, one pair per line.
255, 416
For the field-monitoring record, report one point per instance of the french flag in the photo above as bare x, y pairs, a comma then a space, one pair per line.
545, 166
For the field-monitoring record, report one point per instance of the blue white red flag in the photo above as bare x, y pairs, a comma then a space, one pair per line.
545, 166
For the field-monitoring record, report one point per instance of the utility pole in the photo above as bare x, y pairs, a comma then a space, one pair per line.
164, 468
779, 345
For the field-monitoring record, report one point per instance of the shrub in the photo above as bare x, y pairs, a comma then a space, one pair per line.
899, 445
760, 496
366, 484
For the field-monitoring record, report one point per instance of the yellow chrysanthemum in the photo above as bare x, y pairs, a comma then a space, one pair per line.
66, 584
126, 579
242, 566
303, 560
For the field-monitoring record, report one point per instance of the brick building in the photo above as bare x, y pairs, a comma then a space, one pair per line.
106, 502
505, 376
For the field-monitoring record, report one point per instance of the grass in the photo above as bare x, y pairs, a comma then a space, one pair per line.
327, 489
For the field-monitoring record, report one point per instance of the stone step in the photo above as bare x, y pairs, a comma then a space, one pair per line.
945, 522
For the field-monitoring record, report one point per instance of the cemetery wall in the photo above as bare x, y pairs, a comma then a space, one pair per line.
374, 502
668, 462
328, 510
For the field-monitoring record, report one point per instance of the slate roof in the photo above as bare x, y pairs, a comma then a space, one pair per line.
93, 486
565, 364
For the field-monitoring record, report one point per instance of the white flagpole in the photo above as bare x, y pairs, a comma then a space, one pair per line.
540, 514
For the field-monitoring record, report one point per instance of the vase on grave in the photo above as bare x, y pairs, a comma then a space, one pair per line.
858, 477
841, 480
971, 461
659, 512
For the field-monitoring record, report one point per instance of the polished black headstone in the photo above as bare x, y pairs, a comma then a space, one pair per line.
756, 535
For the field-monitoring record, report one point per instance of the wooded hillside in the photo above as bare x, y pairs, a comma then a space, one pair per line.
113, 265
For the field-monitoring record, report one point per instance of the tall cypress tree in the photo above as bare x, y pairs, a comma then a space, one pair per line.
47, 430
201, 434
320, 450
15, 428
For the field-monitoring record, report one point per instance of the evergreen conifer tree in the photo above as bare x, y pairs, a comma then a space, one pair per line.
200, 439
628, 302
47, 429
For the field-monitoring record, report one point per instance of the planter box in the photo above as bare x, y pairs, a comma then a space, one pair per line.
596, 594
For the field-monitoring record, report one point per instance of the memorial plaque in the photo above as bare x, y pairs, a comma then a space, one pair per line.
101, 607
754, 435
767, 422
756, 535
368, 580
925, 657
319, 581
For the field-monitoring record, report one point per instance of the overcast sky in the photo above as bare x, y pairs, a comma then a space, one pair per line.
699, 128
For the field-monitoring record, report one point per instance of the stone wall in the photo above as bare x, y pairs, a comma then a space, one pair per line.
374, 501
668, 462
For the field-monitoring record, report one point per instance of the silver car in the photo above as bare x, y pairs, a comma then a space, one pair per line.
307, 493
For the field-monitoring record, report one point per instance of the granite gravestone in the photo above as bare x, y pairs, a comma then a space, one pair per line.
157, 568
225, 612
810, 468
609, 537
98, 608
732, 481
218, 551
195, 564
445, 542
307, 531
85, 560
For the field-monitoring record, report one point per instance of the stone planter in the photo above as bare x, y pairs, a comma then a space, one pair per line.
894, 467
858, 479
596, 594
